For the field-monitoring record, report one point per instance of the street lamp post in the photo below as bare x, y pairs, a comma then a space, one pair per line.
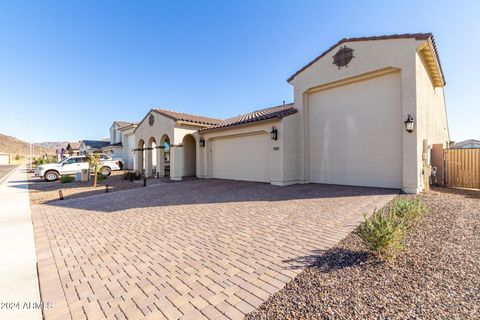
29, 137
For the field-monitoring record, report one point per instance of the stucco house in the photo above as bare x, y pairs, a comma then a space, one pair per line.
88, 146
365, 113
121, 142
69, 149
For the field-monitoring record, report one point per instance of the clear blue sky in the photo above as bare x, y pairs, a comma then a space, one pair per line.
72, 67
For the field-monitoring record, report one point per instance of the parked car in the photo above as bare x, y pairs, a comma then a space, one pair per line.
71, 165
105, 157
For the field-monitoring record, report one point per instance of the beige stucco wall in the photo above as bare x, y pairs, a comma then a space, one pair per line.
431, 121
288, 137
128, 143
161, 125
369, 57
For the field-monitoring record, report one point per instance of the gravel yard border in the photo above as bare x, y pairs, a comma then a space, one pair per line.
437, 277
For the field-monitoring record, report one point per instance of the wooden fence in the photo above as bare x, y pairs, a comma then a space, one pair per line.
462, 168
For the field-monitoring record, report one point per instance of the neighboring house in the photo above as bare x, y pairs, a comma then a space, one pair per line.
121, 142
88, 146
471, 143
348, 124
128, 144
69, 149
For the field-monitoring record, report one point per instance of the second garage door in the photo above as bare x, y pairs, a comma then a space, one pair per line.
356, 133
241, 158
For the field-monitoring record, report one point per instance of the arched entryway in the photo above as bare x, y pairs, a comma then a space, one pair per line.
163, 162
151, 157
189, 156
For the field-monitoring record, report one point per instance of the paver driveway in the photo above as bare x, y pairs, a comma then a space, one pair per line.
196, 249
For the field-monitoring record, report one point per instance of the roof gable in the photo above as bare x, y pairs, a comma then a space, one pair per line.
182, 116
416, 36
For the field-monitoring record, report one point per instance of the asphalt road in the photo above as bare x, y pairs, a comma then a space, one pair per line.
4, 170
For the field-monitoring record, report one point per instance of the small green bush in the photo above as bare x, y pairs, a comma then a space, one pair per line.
101, 177
39, 161
408, 209
132, 175
66, 178
384, 232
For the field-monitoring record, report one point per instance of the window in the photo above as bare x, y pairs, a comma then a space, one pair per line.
70, 161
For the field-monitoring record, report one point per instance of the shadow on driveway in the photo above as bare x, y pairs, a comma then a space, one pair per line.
214, 191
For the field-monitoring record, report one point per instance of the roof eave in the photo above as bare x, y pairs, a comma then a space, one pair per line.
247, 123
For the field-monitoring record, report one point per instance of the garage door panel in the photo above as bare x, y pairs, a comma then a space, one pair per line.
355, 133
241, 158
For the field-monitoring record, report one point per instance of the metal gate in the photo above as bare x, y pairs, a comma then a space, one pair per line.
462, 168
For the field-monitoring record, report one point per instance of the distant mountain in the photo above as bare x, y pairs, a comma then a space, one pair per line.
15, 146
52, 145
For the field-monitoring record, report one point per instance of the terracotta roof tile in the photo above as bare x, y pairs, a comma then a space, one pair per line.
122, 124
277, 112
416, 36
181, 116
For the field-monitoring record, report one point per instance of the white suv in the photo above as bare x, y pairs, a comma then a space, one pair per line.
71, 165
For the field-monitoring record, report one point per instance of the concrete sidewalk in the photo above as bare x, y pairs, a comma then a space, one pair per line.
19, 292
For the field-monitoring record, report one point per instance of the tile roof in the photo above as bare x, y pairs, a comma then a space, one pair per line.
416, 36
181, 116
465, 142
96, 144
277, 112
122, 124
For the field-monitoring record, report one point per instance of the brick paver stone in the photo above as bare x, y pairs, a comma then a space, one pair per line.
188, 250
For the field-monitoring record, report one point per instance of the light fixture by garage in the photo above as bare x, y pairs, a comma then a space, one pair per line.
409, 123
274, 133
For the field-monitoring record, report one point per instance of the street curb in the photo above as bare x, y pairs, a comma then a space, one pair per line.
8, 175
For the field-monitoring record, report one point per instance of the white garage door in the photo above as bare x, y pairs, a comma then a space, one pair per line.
356, 134
241, 158
4, 159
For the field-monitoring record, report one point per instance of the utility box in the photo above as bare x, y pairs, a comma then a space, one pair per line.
78, 176
84, 175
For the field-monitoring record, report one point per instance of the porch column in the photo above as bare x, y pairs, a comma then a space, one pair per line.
161, 161
176, 162
138, 163
148, 162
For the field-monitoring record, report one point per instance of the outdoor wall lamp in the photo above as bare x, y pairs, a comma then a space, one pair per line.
202, 142
409, 123
274, 133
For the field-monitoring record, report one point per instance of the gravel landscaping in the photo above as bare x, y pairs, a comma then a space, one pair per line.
42, 191
437, 277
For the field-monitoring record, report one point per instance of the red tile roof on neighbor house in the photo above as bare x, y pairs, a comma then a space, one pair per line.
277, 112
416, 36
181, 116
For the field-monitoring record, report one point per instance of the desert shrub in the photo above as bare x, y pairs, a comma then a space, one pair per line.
38, 161
101, 177
384, 232
407, 209
132, 175
66, 178
52, 159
